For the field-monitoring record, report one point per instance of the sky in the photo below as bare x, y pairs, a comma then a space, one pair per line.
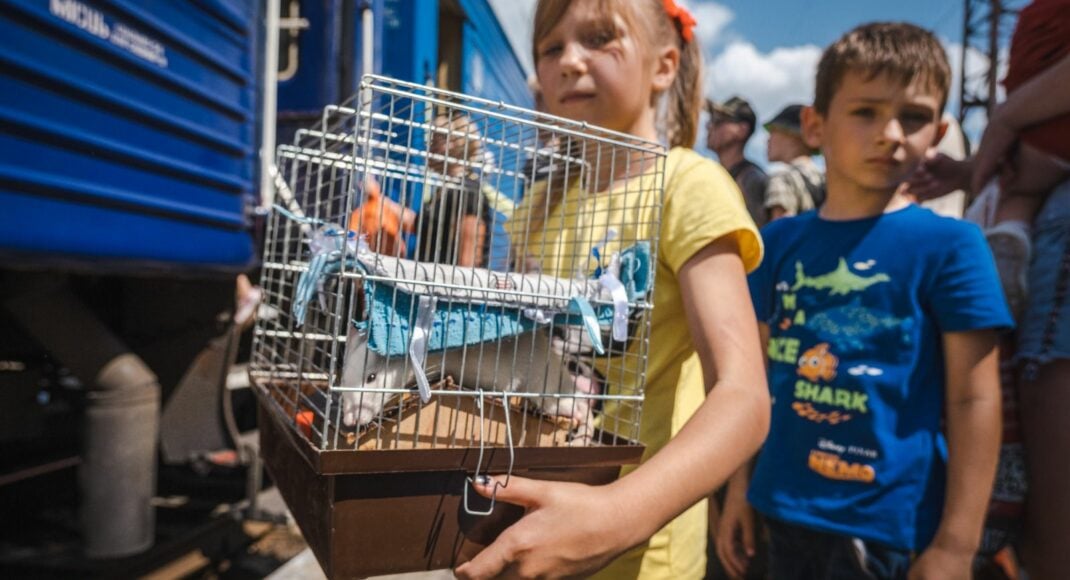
767, 50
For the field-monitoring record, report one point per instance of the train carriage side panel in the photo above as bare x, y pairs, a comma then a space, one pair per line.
128, 133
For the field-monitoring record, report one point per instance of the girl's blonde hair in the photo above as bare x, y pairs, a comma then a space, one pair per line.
649, 22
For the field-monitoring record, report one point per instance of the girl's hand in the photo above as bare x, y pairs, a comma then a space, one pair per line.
938, 563
997, 144
735, 534
939, 175
569, 530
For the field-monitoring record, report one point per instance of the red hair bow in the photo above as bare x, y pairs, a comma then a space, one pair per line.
682, 16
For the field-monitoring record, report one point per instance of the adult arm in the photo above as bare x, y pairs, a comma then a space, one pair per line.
973, 433
573, 529
1042, 97
939, 175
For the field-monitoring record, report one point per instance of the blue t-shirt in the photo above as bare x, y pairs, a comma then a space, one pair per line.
856, 310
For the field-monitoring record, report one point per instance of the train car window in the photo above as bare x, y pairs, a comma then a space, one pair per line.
450, 45
290, 26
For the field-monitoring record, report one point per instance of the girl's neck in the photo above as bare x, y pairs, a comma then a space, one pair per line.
644, 126
612, 166
615, 167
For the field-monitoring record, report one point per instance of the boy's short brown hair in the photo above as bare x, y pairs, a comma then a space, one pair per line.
904, 51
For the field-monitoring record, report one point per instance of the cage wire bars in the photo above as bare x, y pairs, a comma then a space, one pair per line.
481, 230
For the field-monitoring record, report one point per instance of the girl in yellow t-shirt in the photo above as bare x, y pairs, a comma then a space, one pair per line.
610, 63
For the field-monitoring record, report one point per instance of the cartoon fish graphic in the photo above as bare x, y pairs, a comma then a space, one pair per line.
839, 282
818, 363
852, 326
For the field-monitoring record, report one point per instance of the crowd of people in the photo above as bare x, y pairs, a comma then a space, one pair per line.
799, 185
837, 391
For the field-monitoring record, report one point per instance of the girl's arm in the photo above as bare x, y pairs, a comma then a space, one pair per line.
572, 529
973, 434
736, 528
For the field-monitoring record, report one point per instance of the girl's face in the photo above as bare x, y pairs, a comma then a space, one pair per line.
592, 68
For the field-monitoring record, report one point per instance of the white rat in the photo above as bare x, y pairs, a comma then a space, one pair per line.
525, 363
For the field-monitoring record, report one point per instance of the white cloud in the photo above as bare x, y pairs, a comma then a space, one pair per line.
713, 20
768, 80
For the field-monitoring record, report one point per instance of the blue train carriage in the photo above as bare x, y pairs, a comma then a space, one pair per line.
129, 135
458, 45
128, 131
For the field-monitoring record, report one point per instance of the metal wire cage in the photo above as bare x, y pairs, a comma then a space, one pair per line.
446, 272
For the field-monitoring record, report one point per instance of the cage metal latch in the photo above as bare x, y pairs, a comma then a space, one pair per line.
479, 462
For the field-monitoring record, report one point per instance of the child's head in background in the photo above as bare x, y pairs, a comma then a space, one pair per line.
880, 92
608, 62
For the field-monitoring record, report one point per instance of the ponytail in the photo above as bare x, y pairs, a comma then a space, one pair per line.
685, 97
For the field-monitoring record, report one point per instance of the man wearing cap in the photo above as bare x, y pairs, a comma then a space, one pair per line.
730, 126
800, 186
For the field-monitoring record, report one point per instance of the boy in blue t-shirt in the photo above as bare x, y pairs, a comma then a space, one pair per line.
881, 322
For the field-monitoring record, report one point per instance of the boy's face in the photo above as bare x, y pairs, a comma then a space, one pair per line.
875, 132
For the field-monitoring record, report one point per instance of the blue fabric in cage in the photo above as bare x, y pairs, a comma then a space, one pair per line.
391, 314
457, 322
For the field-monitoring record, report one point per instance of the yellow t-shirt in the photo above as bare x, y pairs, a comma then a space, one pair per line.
701, 204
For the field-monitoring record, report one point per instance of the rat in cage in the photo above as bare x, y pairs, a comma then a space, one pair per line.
531, 362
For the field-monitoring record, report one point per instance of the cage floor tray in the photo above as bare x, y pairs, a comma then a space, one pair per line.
407, 517
441, 435
452, 421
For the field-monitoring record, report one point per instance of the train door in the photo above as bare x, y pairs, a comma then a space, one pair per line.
325, 46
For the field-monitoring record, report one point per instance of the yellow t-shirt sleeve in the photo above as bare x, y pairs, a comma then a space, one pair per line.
702, 204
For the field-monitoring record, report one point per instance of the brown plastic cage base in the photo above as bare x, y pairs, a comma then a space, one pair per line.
404, 442
383, 511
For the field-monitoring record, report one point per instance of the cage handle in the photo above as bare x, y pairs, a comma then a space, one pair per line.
469, 481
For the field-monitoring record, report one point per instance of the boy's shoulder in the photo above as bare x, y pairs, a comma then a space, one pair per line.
782, 229
940, 231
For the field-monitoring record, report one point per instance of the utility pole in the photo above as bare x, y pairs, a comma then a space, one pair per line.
986, 33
